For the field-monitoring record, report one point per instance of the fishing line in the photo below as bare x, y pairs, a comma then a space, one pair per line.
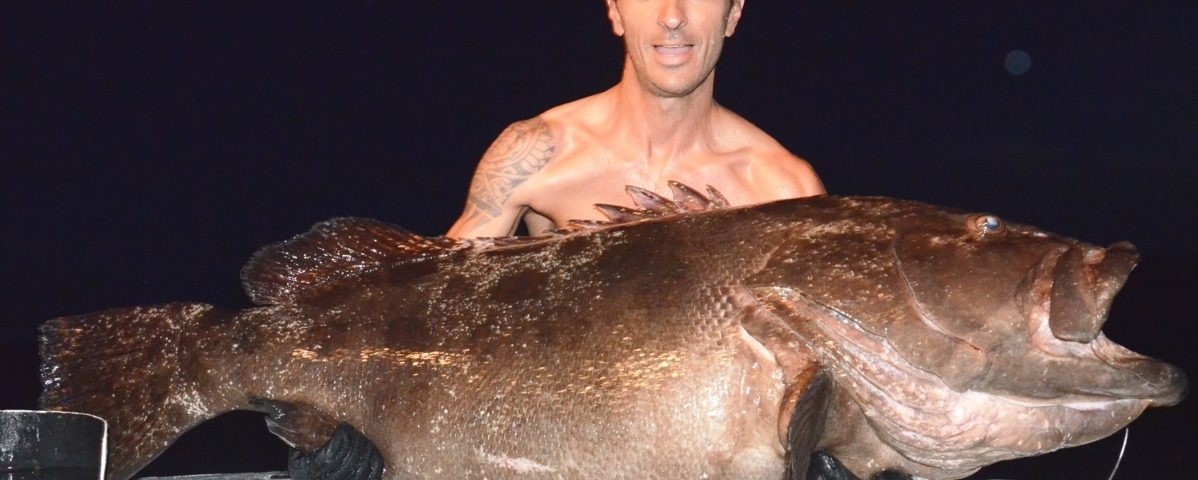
1126, 433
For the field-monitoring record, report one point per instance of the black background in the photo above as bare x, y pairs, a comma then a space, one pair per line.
150, 147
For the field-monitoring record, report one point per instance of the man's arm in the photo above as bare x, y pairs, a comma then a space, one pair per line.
492, 207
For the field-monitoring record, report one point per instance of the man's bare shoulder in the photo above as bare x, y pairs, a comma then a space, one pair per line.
776, 172
526, 147
497, 196
581, 114
576, 111
734, 129
578, 133
788, 175
519, 153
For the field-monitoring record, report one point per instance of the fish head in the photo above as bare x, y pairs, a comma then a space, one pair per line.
1032, 302
960, 338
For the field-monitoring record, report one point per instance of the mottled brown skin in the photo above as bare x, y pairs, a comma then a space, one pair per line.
679, 347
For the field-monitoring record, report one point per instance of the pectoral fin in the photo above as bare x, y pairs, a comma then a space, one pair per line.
804, 404
805, 426
301, 426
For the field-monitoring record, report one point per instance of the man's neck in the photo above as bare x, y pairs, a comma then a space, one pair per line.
665, 127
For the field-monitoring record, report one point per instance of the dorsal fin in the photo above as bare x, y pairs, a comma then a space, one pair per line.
651, 205
648, 200
693, 201
618, 214
333, 251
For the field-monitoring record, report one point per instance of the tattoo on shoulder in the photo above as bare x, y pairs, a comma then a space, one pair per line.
523, 149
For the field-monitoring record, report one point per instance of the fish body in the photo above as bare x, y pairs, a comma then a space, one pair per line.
728, 343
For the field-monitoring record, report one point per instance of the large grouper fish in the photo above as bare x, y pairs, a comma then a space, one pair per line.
677, 341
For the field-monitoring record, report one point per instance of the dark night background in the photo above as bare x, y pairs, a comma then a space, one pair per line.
150, 147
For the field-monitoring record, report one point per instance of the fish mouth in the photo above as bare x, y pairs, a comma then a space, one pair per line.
944, 433
1084, 283
1162, 384
1067, 302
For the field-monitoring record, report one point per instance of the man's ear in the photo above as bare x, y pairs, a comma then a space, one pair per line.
733, 16
613, 14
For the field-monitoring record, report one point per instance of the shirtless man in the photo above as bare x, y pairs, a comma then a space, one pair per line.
659, 123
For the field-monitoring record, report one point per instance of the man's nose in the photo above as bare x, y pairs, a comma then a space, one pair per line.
672, 15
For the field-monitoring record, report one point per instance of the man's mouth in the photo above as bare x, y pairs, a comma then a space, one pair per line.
672, 49
673, 54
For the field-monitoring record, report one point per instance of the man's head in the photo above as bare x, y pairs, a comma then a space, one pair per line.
674, 44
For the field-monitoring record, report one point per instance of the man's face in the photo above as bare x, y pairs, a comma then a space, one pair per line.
673, 44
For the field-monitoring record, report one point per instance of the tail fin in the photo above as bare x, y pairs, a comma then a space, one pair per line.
127, 366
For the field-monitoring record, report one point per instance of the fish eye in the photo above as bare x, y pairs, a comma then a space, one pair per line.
986, 225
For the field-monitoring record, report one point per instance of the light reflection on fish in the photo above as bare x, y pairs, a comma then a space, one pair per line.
727, 343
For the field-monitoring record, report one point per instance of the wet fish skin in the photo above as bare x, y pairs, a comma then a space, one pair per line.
948, 336
681, 346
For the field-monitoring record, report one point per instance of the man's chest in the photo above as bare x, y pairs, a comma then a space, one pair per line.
570, 185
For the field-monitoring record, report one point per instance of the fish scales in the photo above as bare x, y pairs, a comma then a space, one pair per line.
726, 343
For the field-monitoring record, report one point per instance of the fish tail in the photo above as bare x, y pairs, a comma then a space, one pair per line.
127, 366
